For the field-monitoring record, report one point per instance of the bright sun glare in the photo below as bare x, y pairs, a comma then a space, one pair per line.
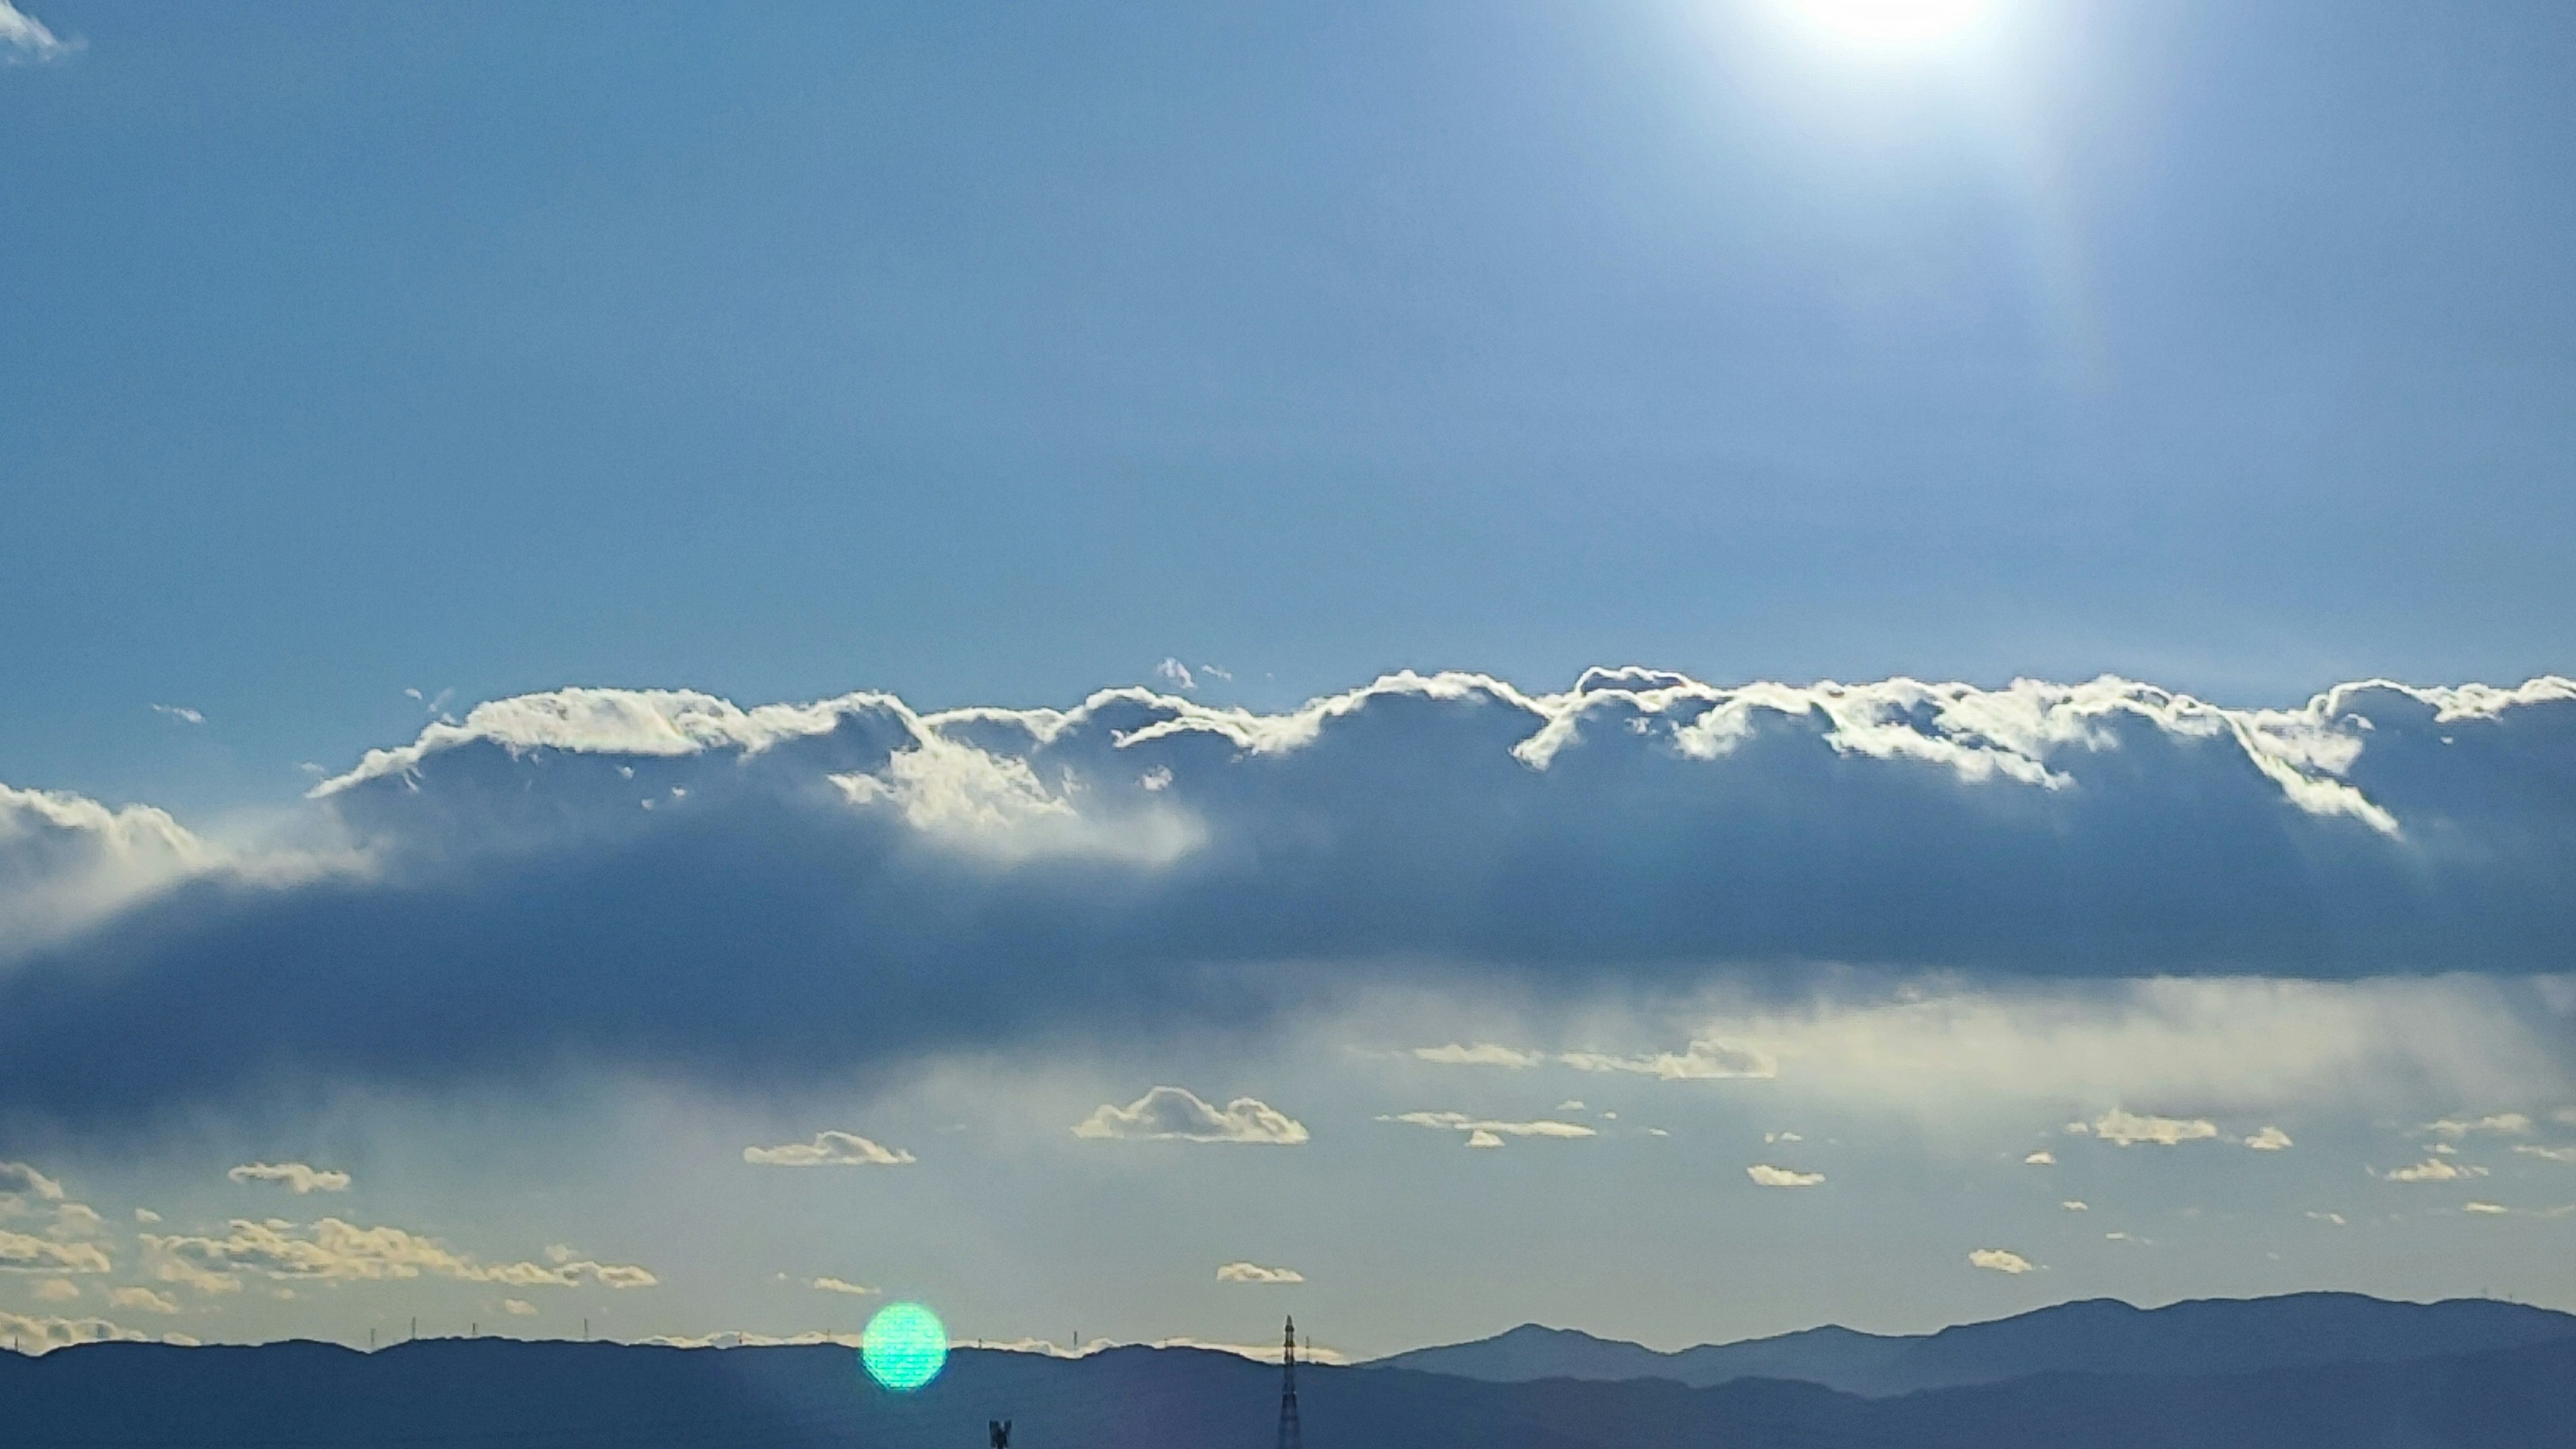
1892, 20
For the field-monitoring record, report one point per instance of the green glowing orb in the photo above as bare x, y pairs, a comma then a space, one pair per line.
905, 1346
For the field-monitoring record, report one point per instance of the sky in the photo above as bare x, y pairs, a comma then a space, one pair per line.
1679, 668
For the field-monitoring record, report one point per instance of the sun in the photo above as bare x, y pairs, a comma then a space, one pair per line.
1893, 21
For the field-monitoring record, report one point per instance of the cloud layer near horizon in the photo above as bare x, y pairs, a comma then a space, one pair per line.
666, 882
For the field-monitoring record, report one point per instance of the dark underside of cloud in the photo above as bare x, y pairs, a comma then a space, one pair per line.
665, 883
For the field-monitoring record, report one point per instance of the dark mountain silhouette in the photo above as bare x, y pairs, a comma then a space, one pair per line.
2097, 1336
516, 1395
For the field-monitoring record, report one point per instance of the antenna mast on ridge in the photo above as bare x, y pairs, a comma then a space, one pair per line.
1291, 1435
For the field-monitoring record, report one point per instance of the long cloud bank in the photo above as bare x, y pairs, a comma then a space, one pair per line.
664, 881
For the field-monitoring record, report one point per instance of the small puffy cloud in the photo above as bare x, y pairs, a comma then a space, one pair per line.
1575, 1104
828, 1149
2042, 1158
44, 1335
17, 1179
1255, 1273
2128, 1129
1770, 1137
2331, 1219
2485, 1208
2507, 1123
1765, 1175
146, 1215
335, 1251
1999, 1260
1706, 1060
841, 1285
295, 1177
2435, 1169
1175, 1114
2270, 1139
2548, 1154
1488, 1132
2075, 1205
24, 38
1482, 1054
26, 1253
179, 712
518, 1307
57, 1290
141, 1299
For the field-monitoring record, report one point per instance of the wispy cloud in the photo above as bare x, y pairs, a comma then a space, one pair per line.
334, 1251
1255, 1273
2270, 1139
295, 1177
24, 38
1489, 1132
842, 1285
1701, 1061
1765, 1175
1482, 1054
2434, 1169
2129, 1129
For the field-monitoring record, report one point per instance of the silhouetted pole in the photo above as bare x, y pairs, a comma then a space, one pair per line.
1291, 1434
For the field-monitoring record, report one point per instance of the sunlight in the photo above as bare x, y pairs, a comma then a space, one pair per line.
1893, 21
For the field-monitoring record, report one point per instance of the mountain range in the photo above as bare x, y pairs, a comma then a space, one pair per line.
2448, 1386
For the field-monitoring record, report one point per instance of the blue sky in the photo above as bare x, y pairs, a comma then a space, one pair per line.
381, 381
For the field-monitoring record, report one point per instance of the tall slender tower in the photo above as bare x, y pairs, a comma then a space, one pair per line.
1291, 1436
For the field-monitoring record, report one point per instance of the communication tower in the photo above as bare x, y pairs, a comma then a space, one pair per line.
1291, 1436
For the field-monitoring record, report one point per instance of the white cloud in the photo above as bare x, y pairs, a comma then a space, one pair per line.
1770, 1137
1177, 1114
2128, 1129
1708, 1060
2489, 1208
146, 1215
2507, 1123
295, 1177
2335, 1219
2435, 1169
2550, 1154
518, 1307
2000, 1260
1765, 1175
2075, 1205
828, 1149
17, 1179
44, 1335
25, 1253
1173, 672
2270, 1139
141, 1299
841, 1285
179, 712
1485, 1132
24, 38
331, 1250
1482, 1054
1575, 1104
56, 1290
2042, 1158
1255, 1273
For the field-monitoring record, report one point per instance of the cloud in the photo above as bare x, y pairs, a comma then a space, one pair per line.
2000, 1260
1765, 1175
838, 1285
333, 1251
1482, 1054
1255, 1273
1484, 1132
24, 38
828, 1149
56, 1290
44, 1335
2128, 1129
146, 1215
179, 712
141, 1299
1173, 672
2455, 1128
1176, 1114
2488, 1208
2075, 1205
2335, 1219
2041, 1158
852, 886
26, 1253
1701, 1061
2552, 1154
518, 1307
2270, 1139
295, 1177
17, 1179
2434, 1169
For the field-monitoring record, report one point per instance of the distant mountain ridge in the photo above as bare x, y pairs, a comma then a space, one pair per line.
2095, 1336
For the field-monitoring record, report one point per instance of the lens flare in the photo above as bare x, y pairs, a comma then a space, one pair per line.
905, 1346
